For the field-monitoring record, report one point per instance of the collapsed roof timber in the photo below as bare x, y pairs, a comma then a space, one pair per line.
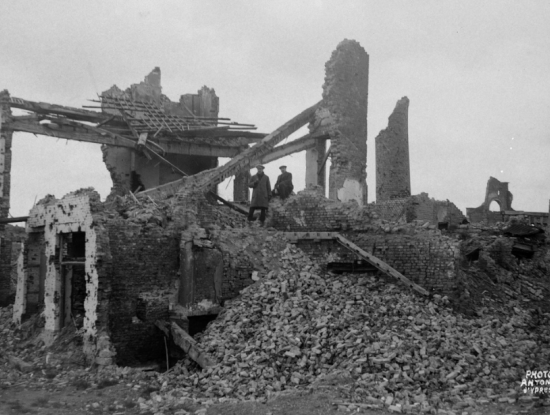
161, 248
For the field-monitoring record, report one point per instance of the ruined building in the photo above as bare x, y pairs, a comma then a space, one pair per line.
161, 256
112, 269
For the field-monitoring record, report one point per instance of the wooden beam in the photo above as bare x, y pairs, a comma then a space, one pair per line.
190, 346
231, 205
300, 144
31, 125
242, 161
45, 108
66, 132
14, 220
381, 265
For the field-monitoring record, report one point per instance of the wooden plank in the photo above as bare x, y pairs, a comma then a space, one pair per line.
381, 265
300, 144
73, 133
45, 108
66, 132
242, 161
189, 346
227, 203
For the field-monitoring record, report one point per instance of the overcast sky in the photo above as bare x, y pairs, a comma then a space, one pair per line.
476, 73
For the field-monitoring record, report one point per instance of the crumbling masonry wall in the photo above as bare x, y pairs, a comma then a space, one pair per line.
143, 282
5, 186
430, 261
393, 171
52, 218
345, 95
130, 170
309, 210
495, 191
421, 208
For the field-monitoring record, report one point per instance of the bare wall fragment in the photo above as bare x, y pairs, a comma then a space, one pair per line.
345, 95
393, 172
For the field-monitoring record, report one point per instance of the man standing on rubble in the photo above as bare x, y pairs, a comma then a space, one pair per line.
261, 194
284, 185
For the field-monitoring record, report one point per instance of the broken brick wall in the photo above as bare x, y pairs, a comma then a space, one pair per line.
310, 211
436, 211
395, 210
393, 171
129, 169
419, 207
6, 292
143, 282
5, 187
431, 262
345, 96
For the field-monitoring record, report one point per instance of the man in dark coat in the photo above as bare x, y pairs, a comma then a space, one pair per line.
284, 185
261, 194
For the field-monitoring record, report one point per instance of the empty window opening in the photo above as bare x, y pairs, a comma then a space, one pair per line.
443, 225
197, 324
75, 245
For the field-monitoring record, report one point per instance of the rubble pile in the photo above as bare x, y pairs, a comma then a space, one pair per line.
293, 327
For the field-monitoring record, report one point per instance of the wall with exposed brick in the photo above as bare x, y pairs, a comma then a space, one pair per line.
430, 261
345, 96
419, 207
309, 210
5, 186
143, 282
393, 172
436, 211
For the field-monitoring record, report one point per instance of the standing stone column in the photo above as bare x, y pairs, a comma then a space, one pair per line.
345, 95
5, 185
393, 171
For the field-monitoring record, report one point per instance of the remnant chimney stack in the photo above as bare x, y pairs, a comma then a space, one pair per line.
393, 171
345, 95
6, 136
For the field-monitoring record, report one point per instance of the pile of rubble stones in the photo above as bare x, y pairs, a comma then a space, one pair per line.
410, 354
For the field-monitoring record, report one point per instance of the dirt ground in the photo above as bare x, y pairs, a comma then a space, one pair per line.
121, 399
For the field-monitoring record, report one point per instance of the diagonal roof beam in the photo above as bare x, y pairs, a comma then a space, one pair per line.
242, 161
300, 144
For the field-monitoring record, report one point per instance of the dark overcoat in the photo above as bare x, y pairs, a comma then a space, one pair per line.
284, 184
261, 190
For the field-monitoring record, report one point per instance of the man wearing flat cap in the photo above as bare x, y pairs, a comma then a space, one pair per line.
284, 185
261, 193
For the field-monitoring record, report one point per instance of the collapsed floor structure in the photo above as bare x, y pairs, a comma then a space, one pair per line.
162, 256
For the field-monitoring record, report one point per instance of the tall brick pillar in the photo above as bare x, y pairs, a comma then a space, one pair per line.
5, 182
393, 171
345, 95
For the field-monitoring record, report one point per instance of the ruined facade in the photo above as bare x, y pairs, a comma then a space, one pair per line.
345, 97
441, 213
496, 191
393, 171
133, 171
